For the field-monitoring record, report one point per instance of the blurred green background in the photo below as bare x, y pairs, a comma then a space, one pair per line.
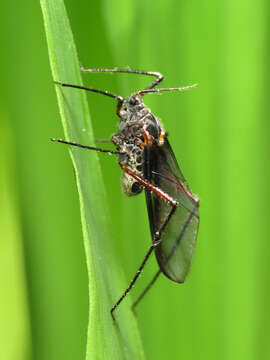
220, 135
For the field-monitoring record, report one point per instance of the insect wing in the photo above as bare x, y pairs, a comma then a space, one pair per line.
178, 237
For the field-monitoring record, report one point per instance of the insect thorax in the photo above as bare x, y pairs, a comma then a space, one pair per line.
138, 128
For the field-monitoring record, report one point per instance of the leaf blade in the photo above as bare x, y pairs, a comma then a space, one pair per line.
105, 339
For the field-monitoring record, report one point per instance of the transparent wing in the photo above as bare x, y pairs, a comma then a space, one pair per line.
178, 238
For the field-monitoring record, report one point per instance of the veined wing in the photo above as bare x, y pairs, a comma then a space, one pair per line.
178, 239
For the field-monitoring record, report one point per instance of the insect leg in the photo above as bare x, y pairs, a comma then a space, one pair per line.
156, 240
136, 302
151, 90
155, 243
111, 152
138, 273
148, 185
145, 290
159, 77
103, 92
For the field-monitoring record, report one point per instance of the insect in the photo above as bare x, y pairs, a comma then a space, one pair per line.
148, 162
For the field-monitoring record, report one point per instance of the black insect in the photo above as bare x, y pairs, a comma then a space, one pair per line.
148, 163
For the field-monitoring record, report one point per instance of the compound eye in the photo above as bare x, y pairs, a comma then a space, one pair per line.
133, 101
153, 130
136, 188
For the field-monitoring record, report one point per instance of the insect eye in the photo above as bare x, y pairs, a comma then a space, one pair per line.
136, 188
152, 130
133, 101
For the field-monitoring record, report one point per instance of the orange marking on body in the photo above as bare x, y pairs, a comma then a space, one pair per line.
161, 138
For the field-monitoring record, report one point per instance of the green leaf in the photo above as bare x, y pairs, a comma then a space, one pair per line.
14, 312
106, 339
